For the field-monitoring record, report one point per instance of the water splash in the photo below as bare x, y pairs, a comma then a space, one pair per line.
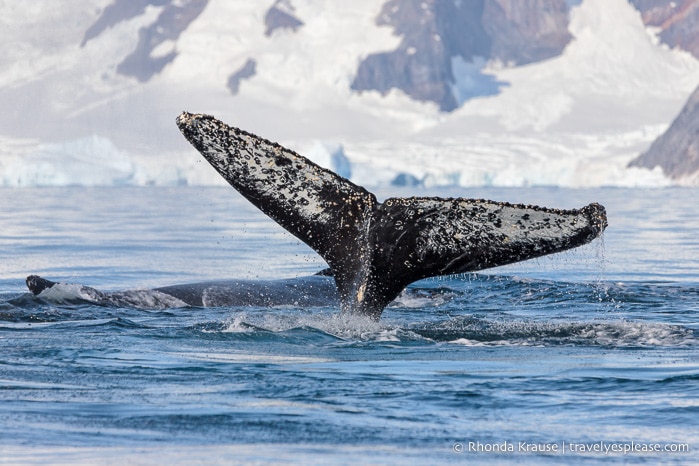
476, 331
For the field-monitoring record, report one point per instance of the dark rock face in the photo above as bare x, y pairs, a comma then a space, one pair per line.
526, 31
676, 151
120, 10
246, 71
678, 21
281, 16
435, 31
171, 22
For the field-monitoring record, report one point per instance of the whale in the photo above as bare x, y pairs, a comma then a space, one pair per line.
312, 291
373, 249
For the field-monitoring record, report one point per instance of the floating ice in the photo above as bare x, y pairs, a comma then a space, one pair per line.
90, 161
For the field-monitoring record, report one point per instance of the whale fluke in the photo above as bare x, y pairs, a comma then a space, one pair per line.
376, 249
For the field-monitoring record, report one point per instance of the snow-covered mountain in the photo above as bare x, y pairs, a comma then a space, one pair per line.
439, 36
487, 92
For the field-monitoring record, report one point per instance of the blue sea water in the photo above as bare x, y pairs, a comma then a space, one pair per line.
591, 355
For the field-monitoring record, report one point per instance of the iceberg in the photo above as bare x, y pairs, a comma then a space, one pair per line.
89, 161
331, 156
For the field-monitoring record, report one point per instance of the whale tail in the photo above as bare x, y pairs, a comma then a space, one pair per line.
376, 249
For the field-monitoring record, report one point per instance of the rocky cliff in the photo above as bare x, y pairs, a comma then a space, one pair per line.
676, 20
677, 150
281, 16
434, 32
146, 60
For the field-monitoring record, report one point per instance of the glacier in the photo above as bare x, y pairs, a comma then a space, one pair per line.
506, 160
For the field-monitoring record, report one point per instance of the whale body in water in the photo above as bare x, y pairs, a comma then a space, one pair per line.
373, 249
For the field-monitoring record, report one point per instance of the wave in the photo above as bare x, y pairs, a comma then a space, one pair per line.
473, 310
473, 331
114, 323
465, 330
321, 327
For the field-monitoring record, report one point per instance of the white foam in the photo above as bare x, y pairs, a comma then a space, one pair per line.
342, 326
246, 357
619, 334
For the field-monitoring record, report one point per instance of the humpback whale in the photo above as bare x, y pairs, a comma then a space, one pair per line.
374, 249
310, 291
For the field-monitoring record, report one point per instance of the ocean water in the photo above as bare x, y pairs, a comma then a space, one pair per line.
587, 356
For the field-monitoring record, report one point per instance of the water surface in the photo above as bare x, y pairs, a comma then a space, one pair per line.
597, 346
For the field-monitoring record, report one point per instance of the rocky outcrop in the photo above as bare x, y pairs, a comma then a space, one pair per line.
676, 151
281, 16
172, 21
421, 65
120, 10
245, 72
435, 31
526, 31
676, 19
